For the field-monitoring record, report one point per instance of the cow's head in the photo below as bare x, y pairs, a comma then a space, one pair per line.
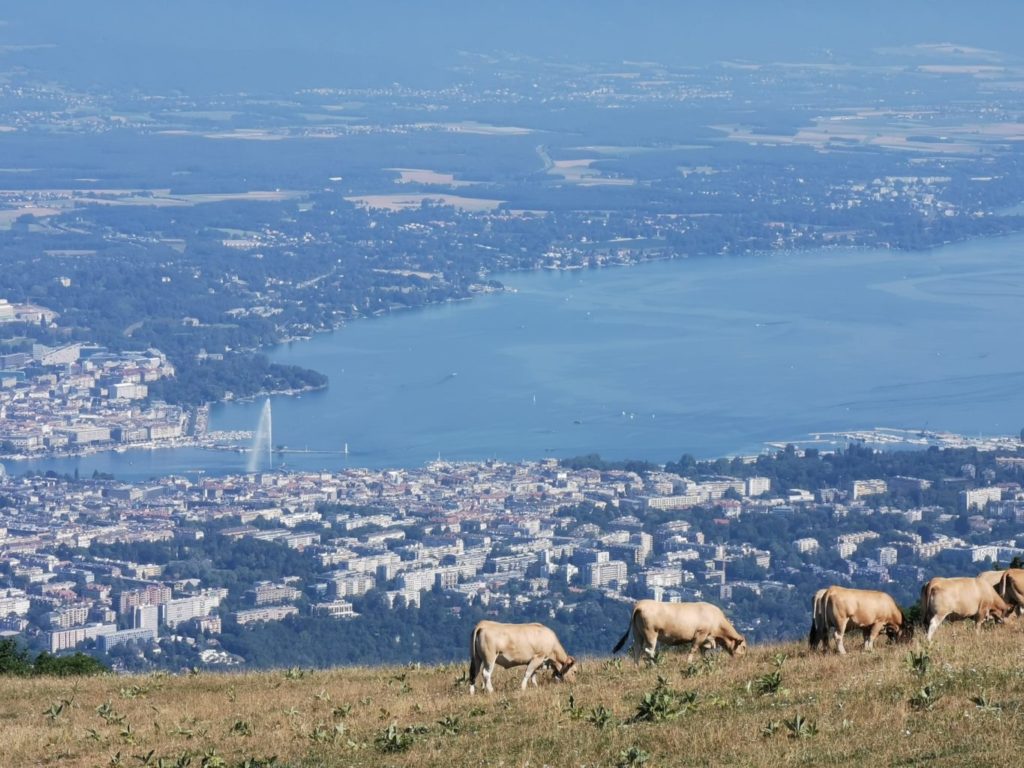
736, 647
566, 673
902, 634
1000, 611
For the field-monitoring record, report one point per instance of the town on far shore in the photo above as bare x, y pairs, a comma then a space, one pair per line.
74, 398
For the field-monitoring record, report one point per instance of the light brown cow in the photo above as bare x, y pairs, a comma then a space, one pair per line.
513, 645
701, 624
960, 598
1011, 589
867, 609
818, 636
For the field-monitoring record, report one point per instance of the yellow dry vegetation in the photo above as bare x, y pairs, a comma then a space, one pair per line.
958, 702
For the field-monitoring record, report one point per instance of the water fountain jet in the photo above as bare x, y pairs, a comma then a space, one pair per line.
262, 441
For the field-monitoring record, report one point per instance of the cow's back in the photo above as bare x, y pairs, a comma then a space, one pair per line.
863, 606
992, 578
961, 596
680, 620
514, 640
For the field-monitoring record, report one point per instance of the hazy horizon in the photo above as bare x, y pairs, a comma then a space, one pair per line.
201, 46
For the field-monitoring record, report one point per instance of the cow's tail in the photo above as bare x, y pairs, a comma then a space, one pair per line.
625, 637
474, 657
818, 635
824, 616
926, 603
1010, 593
814, 636
1007, 589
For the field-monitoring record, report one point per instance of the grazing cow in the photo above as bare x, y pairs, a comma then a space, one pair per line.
867, 609
513, 645
1011, 589
701, 624
960, 598
818, 636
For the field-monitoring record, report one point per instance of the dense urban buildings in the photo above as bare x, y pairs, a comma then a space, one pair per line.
480, 533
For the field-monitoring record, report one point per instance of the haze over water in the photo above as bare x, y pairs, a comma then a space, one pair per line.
709, 357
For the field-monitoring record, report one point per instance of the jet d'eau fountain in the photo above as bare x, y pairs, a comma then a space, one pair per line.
262, 445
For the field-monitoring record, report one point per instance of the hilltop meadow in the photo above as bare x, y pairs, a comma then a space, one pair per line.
957, 701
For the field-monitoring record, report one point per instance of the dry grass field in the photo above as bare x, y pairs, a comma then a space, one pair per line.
958, 702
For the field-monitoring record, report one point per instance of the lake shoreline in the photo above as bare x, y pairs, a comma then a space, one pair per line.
720, 358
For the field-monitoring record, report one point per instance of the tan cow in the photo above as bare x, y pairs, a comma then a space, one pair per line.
818, 636
513, 645
701, 624
1011, 589
960, 598
869, 610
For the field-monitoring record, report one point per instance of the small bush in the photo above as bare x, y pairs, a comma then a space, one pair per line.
68, 666
259, 762
574, 712
109, 714
705, 666
241, 728
602, 717
14, 658
801, 728
983, 702
663, 704
925, 698
771, 728
634, 757
392, 740
919, 662
57, 709
450, 726
768, 684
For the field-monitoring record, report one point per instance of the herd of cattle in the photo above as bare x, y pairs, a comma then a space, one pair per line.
990, 595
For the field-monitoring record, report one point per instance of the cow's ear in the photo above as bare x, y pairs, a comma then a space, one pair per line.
568, 664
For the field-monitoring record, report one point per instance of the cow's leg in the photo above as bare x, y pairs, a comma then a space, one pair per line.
532, 678
488, 670
698, 641
933, 625
649, 645
872, 634
531, 670
840, 631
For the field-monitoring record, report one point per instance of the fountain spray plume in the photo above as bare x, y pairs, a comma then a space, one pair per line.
262, 442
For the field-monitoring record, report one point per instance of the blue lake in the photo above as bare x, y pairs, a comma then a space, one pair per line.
709, 357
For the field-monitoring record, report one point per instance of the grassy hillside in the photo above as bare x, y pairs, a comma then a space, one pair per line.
957, 702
